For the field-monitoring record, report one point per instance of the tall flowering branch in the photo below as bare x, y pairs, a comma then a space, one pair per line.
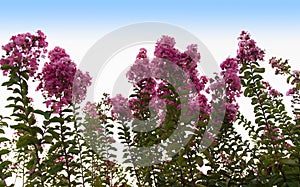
23, 53
274, 128
283, 68
156, 99
99, 134
63, 85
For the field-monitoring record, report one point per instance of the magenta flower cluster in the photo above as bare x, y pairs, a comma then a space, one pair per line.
230, 71
61, 80
155, 88
121, 108
91, 109
271, 91
248, 51
24, 51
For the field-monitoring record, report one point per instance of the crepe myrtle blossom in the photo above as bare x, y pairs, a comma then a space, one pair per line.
24, 51
120, 108
142, 54
165, 49
291, 92
61, 82
274, 133
80, 83
138, 69
232, 80
230, 72
281, 67
57, 53
248, 51
91, 109
187, 60
275, 93
154, 90
271, 91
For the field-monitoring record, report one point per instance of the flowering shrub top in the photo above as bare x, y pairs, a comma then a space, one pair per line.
24, 52
66, 149
61, 79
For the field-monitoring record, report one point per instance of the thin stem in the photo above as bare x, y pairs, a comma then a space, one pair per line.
80, 148
257, 94
65, 151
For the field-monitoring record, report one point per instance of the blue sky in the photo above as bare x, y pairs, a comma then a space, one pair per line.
102, 14
86, 15
84, 19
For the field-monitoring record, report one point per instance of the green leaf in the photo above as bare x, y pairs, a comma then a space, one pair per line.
199, 160
20, 116
54, 134
248, 92
16, 107
257, 77
56, 168
9, 83
31, 120
17, 90
48, 139
4, 152
24, 87
247, 75
25, 75
259, 70
20, 126
74, 151
24, 141
35, 130
4, 164
6, 67
39, 112
56, 119
254, 101
3, 139
289, 161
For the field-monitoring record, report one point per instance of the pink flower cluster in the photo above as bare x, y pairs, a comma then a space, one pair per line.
91, 109
248, 51
233, 82
291, 91
233, 86
121, 108
142, 54
271, 91
146, 75
80, 83
281, 67
165, 49
24, 51
275, 93
61, 79
274, 133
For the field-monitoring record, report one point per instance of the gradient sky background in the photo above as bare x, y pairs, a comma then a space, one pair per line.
76, 25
